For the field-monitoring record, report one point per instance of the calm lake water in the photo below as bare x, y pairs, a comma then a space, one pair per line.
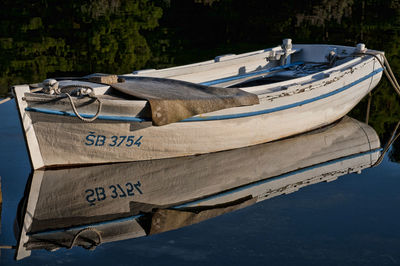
353, 220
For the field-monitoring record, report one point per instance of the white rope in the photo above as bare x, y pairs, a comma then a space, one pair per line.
76, 110
368, 108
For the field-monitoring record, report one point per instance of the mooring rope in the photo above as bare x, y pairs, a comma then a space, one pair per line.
386, 66
393, 81
392, 139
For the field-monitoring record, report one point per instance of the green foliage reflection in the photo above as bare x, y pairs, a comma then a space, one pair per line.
46, 38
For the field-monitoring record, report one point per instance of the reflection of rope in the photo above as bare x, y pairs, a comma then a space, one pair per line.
93, 245
8, 247
5, 100
392, 139
368, 108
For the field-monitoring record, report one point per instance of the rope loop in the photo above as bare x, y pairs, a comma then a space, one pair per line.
91, 119
80, 91
93, 244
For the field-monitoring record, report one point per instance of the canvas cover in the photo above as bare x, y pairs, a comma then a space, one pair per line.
174, 100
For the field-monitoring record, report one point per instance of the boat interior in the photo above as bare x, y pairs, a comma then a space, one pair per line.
257, 68
263, 73
269, 68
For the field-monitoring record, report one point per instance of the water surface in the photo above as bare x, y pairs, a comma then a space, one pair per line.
350, 221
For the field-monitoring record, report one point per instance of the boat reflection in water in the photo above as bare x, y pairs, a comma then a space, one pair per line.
91, 205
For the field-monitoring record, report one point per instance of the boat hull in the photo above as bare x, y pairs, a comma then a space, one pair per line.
67, 141
59, 139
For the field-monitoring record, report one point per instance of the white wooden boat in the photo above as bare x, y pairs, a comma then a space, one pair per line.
298, 88
127, 200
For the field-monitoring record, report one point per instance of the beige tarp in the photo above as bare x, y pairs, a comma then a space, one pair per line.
174, 100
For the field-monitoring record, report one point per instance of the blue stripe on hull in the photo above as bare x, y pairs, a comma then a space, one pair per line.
217, 117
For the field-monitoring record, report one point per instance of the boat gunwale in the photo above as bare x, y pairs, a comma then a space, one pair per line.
292, 87
253, 89
209, 117
236, 57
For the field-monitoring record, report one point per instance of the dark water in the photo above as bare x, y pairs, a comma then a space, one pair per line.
351, 221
